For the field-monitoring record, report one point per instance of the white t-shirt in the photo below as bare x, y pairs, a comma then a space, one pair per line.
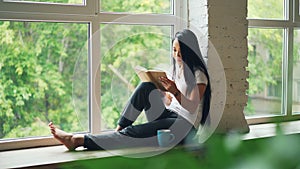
193, 118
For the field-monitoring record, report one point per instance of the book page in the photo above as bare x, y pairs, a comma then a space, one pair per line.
150, 76
154, 76
141, 72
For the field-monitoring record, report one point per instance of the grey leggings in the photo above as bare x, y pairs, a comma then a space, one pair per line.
146, 97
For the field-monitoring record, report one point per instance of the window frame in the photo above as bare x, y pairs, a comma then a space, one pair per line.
17, 11
288, 24
297, 97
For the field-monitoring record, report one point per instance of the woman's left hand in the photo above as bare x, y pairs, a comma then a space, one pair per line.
168, 84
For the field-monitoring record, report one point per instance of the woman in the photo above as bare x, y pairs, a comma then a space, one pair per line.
182, 107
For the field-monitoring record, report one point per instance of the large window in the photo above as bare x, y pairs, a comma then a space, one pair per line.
273, 55
76, 70
37, 63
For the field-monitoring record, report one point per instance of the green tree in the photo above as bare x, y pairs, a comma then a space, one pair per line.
36, 74
43, 65
144, 45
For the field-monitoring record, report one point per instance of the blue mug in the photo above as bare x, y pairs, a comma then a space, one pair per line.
165, 137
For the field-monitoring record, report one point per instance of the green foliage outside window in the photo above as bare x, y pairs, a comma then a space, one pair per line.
123, 48
43, 67
37, 63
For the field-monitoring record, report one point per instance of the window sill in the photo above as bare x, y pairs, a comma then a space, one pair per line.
269, 130
54, 156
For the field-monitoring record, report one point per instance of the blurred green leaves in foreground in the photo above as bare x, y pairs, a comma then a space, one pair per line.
219, 152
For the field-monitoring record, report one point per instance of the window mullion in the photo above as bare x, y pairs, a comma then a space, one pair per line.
289, 70
180, 12
289, 43
94, 77
285, 55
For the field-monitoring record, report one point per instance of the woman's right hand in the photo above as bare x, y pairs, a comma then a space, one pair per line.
168, 84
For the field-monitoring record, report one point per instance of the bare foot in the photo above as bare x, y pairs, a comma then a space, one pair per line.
66, 138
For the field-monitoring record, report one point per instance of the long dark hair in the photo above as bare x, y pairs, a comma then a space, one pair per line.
193, 60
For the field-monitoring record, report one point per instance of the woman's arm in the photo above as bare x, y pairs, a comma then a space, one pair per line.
191, 103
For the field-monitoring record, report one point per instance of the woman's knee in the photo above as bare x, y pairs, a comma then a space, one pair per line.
147, 85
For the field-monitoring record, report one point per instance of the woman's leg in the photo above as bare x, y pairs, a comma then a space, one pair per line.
148, 129
146, 97
69, 140
142, 133
132, 136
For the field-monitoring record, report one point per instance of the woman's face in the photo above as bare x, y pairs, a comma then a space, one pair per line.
176, 52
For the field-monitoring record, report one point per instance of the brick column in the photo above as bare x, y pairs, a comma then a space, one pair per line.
224, 30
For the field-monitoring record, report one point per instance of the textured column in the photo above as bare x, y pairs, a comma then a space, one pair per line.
223, 31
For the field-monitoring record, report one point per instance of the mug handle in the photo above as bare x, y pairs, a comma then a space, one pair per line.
172, 138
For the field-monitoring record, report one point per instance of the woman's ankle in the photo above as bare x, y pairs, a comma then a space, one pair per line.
77, 140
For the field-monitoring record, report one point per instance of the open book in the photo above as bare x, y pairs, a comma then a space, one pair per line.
150, 76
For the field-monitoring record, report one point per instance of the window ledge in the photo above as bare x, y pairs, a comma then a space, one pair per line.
52, 157
269, 130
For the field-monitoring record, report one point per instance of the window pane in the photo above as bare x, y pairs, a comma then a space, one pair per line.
296, 75
51, 1
39, 79
137, 6
266, 9
123, 48
265, 63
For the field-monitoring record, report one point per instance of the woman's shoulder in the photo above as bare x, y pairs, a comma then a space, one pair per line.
200, 77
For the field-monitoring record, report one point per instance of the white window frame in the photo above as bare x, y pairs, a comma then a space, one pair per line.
86, 14
297, 93
289, 23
